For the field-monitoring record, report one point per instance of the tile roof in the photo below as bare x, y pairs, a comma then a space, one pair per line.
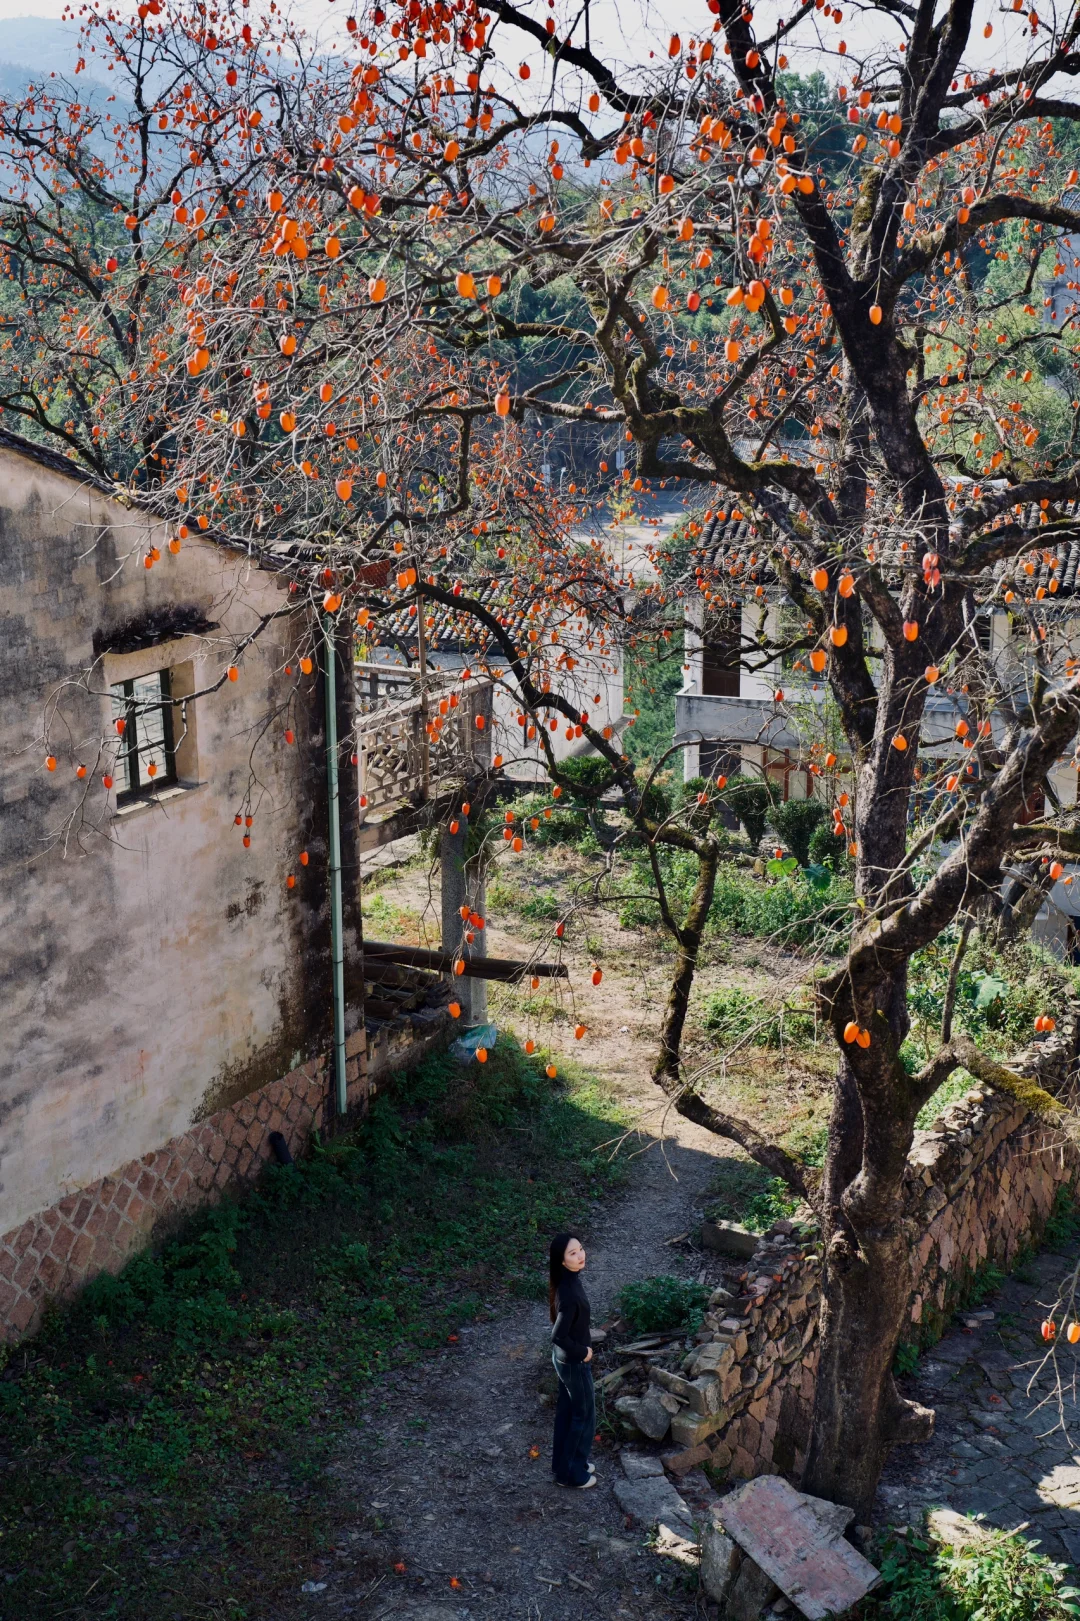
45, 456
735, 544
452, 632
275, 554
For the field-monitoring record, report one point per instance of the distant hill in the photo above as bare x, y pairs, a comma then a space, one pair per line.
33, 47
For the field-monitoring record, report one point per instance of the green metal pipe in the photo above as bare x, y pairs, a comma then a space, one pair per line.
337, 949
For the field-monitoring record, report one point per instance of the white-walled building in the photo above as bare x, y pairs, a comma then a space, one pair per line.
729, 718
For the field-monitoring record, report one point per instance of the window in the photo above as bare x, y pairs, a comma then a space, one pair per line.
148, 742
720, 662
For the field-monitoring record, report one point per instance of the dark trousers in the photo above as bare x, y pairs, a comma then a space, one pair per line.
575, 1422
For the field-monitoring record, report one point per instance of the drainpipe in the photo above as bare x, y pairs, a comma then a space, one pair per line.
337, 951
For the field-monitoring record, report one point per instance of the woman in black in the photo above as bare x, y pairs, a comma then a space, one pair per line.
575, 1410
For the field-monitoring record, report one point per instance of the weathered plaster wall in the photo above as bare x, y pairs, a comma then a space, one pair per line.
152, 970
110, 1219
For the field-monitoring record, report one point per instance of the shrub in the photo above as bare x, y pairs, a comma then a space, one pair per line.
789, 912
826, 850
999, 993
556, 824
590, 775
796, 822
1001, 1577
732, 1014
751, 799
663, 1302
567, 822
748, 1194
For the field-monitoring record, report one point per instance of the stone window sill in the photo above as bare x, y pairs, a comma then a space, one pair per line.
165, 797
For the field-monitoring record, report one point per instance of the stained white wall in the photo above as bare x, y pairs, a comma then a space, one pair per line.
150, 967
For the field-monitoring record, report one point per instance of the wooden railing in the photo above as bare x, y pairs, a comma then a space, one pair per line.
415, 743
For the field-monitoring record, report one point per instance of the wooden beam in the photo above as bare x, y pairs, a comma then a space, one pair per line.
506, 969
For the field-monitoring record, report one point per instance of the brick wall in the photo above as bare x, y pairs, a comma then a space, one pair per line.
99, 1227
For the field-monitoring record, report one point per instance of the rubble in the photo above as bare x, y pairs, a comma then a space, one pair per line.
729, 1237
651, 1499
724, 1390
788, 1541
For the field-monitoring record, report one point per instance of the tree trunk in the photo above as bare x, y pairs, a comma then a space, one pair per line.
858, 1413
866, 1284
866, 1280
688, 943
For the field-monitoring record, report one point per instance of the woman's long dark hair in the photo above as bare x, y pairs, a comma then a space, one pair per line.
556, 1251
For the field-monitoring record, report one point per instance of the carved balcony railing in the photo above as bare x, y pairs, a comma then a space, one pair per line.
416, 741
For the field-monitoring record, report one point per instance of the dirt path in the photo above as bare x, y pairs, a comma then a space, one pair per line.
442, 1458
441, 1466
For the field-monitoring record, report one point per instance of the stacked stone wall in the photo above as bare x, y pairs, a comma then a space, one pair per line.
981, 1187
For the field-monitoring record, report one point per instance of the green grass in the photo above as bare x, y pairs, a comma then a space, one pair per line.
950, 1091
788, 912
999, 994
999, 1578
165, 1441
734, 1016
745, 1192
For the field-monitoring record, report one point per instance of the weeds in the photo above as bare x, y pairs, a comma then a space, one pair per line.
1063, 1223
653, 1304
746, 1193
999, 993
906, 1360
733, 1015
788, 912
999, 1577
170, 1433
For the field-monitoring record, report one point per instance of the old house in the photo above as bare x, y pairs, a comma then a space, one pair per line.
741, 711
168, 982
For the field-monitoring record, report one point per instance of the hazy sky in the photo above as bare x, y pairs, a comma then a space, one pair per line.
625, 31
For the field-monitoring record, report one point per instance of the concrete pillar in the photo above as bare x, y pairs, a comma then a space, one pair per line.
460, 886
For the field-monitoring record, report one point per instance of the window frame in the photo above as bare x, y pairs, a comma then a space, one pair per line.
137, 785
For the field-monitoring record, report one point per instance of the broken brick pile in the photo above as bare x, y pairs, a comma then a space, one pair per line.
981, 1186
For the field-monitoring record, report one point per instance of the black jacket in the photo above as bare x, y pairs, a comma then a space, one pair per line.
571, 1329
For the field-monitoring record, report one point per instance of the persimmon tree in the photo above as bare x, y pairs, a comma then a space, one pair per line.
825, 315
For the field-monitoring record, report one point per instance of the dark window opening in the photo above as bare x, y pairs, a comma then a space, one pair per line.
147, 758
720, 658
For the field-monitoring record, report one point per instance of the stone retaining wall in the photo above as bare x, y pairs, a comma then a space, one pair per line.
982, 1184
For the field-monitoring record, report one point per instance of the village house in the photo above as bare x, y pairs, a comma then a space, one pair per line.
728, 717
170, 999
